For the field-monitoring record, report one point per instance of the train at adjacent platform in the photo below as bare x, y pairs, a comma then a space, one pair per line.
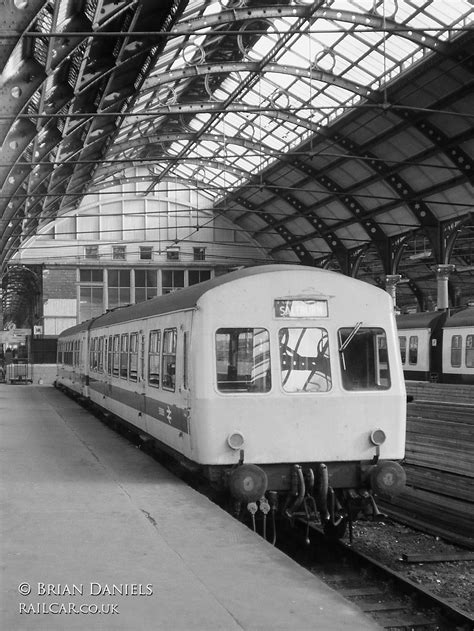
278, 383
438, 346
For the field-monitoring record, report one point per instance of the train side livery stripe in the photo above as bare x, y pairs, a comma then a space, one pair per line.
170, 415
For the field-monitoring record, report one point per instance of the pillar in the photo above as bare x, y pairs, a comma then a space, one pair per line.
391, 282
442, 276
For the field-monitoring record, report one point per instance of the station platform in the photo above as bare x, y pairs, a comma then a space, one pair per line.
97, 535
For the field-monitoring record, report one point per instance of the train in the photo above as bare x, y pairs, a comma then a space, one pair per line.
281, 385
438, 346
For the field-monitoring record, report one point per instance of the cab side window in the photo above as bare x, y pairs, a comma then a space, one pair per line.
243, 360
363, 359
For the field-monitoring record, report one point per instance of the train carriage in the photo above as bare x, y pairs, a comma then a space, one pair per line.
458, 347
438, 346
278, 378
420, 337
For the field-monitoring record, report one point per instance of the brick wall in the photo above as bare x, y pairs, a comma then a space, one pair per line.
59, 283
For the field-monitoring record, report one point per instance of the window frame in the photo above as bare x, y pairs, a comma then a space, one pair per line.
403, 349
91, 252
146, 253
110, 354
116, 356
119, 252
456, 351
165, 358
413, 346
199, 254
230, 348
155, 335
123, 364
469, 353
347, 379
133, 356
324, 335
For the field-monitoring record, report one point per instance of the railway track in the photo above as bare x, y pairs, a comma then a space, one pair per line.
390, 598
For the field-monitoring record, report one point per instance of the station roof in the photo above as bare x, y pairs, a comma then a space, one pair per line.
337, 133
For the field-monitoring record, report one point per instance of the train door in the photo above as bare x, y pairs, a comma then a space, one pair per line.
84, 363
141, 380
131, 372
186, 385
436, 349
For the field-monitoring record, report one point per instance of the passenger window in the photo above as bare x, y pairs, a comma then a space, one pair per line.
124, 356
403, 348
456, 351
97, 354
304, 359
243, 360
413, 350
469, 351
105, 354
133, 357
109, 355
364, 359
100, 355
116, 356
92, 354
154, 358
169, 359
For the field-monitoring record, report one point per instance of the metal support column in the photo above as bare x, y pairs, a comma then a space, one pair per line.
442, 276
391, 282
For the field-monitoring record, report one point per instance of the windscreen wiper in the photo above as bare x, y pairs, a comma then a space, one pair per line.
350, 337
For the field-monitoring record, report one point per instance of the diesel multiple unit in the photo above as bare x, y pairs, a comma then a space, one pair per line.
277, 380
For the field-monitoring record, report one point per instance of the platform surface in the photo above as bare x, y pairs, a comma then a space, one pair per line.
95, 534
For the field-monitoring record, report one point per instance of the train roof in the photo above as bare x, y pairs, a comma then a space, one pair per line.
461, 317
423, 320
465, 317
188, 297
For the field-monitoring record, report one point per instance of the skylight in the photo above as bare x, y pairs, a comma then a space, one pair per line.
291, 70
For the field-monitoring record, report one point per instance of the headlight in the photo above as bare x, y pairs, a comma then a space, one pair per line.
235, 440
378, 437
